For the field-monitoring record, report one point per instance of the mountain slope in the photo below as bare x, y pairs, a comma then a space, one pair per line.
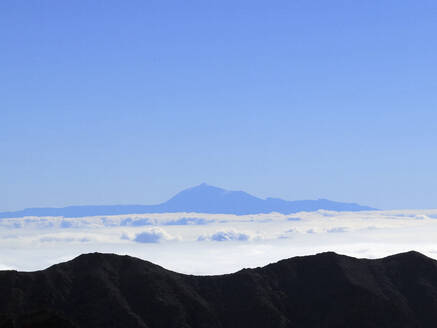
325, 290
200, 199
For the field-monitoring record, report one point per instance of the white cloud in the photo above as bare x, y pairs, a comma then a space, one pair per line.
231, 242
154, 235
64, 240
226, 236
337, 229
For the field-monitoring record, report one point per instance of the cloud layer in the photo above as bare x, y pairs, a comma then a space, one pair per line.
212, 243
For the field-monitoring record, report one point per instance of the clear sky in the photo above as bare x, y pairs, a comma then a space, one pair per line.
120, 102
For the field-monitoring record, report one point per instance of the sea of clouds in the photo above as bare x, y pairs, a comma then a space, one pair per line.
197, 243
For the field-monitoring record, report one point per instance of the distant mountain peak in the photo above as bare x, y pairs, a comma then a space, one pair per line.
203, 187
203, 198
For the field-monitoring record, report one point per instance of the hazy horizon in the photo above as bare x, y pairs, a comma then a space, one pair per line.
204, 183
176, 193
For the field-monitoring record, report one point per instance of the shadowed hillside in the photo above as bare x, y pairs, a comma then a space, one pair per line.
324, 290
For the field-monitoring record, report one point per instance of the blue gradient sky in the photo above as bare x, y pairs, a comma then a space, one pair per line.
106, 102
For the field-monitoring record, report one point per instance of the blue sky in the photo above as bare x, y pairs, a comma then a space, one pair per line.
107, 102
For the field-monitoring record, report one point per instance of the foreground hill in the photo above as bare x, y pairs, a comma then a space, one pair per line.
324, 290
200, 199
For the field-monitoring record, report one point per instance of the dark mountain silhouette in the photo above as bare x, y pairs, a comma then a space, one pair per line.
200, 199
324, 290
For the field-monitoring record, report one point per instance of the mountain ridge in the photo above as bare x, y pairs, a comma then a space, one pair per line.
201, 199
323, 290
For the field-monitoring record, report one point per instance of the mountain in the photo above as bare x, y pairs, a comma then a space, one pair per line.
201, 199
324, 290
210, 199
